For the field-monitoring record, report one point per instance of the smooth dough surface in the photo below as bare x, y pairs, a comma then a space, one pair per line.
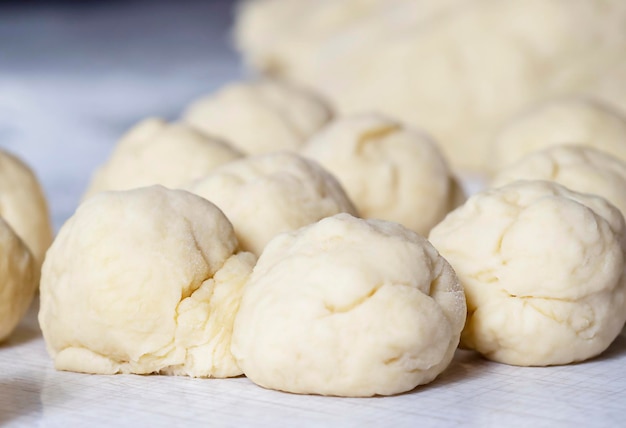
265, 195
576, 121
578, 168
543, 272
24, 207
457, 68
143, 281
390, 172
157, 152
18, 279
348, 307
260, 116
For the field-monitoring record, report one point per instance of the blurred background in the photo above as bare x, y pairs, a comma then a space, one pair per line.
75, 75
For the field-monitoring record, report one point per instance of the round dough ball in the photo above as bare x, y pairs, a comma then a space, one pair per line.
457, 68
348, 307
260, 117
143, 281
578, 168
576, 121
390, 172
23, 206
265, 195
18, 279
155, 152
543, 272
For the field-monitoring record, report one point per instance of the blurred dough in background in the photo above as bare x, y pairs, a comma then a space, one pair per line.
24, 207
260, 116
268, 194
578, 168
155, 152
391, 172
577, 121
457, 68
18, 279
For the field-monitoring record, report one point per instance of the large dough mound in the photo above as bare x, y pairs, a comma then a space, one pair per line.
543, 272
265, 195
390, 172
18, 279
457, 68
155, 152
261, 116
578, 168
143, 281
577, 121
348, 307
23, 205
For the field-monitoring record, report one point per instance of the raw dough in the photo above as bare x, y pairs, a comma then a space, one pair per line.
348, 307
390, 172
155, 152
578, 168
18, 279
577, 121
261, 116
143, 281
543, 272
23, 206
265, 195
457, 68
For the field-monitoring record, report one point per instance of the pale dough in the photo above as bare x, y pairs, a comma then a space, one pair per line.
457, 68
579, 121
143, 281
23, 206
265, 195
578, 168
543, 272
348, 307
391, 172
18, 279
260, 116
157, 152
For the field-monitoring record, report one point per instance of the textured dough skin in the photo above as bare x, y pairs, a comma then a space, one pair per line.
143, 281
268, 194
457, 68
576, 121
389, 171
348, 307
543, 272
155, 152
578, 168
18, 279
23, 205
260, 116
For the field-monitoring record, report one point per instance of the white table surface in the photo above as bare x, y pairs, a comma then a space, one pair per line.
72, 79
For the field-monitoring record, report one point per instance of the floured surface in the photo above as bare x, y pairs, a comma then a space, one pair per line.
472, 392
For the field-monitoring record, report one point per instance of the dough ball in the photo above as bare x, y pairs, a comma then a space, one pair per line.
457, 68
259, 117
155, 152
143, 281
18, 279
23, 206
543, 272
348, 307
565, 121
578, 168
391, 172
265, 195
